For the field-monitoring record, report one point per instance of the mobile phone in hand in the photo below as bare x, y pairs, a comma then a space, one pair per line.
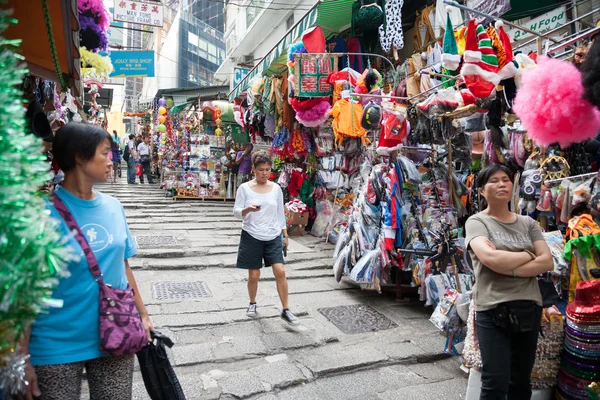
284, 246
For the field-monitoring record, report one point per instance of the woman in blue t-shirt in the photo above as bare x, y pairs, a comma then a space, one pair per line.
65, 341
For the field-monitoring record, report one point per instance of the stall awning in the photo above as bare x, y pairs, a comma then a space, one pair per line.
309, 19
31, 29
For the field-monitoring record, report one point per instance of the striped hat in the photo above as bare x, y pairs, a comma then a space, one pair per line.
480, 69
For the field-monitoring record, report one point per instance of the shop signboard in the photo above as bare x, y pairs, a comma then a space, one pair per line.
132, 64
239, 74
311, 74
545, 22
138, 12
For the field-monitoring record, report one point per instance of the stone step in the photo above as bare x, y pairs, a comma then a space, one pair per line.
239, 341
228, 260
225, 317
188, 226
151, 219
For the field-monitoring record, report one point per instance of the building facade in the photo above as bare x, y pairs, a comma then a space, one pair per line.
253, 28
201, 51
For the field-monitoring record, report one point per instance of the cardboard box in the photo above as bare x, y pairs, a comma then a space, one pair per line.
296, 230
296, 218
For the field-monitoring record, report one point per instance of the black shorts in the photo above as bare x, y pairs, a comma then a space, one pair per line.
252, 252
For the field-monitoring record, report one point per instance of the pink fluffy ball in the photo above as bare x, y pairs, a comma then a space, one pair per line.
315, 116
551, 107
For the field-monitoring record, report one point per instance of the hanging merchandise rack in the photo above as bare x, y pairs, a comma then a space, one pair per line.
574, 40
512, 24
572, 178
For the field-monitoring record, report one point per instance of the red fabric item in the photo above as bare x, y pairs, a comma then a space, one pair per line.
468, 97
479, 86
314, 40
138, 170
396, 212
303, 105
388, 142
340, 76
296, 181
533, 55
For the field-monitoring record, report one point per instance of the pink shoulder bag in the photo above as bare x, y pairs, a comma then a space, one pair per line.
121, 328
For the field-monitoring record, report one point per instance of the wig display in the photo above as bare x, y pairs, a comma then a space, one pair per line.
554, 110
590, 74
91, 35
96, 10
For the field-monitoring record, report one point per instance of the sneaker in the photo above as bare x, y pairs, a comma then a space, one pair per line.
289, 317
251, 311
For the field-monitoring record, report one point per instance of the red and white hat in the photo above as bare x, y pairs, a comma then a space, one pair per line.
480, 69
509, 68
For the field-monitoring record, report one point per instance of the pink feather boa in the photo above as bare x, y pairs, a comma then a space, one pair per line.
97, 10
551, 107
314, 116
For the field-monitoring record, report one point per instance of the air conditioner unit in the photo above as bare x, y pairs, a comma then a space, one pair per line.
249, 59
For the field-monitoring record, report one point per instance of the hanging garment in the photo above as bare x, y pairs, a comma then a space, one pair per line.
441, 14
338, 45
390, 33
492, 7
289, 115
346, 120
356, 62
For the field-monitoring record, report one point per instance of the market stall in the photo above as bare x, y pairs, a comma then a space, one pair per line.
195, 141
382, 159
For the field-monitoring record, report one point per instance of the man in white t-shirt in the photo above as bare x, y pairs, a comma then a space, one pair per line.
131, 160
145, 156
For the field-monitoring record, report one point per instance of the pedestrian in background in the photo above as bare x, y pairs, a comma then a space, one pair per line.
65, 341
116, 155
508, 252
131, 158
259, 203
145, 154
244, 163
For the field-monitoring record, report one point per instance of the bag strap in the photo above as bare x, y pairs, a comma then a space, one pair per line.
72, 224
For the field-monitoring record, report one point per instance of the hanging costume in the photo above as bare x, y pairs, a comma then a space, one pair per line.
390, 33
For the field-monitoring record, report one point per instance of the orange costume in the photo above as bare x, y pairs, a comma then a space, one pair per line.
346, 121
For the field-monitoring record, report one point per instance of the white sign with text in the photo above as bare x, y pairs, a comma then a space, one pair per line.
138, 12
545, 22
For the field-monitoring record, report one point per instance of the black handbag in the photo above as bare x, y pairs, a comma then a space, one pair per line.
159, 378
144, 158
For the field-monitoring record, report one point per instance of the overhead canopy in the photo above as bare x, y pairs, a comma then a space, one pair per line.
177, 108
31, 29
335, 17
309, 19
182, 95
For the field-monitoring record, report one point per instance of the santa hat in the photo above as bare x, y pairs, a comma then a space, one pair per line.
480, 69
508, 69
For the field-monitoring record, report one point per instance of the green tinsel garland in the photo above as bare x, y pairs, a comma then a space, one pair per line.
32, 252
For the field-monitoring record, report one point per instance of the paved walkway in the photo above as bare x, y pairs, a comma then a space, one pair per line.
220, 353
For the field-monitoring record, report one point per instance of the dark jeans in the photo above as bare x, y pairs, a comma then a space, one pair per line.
507, 358
131, 170
146, 170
